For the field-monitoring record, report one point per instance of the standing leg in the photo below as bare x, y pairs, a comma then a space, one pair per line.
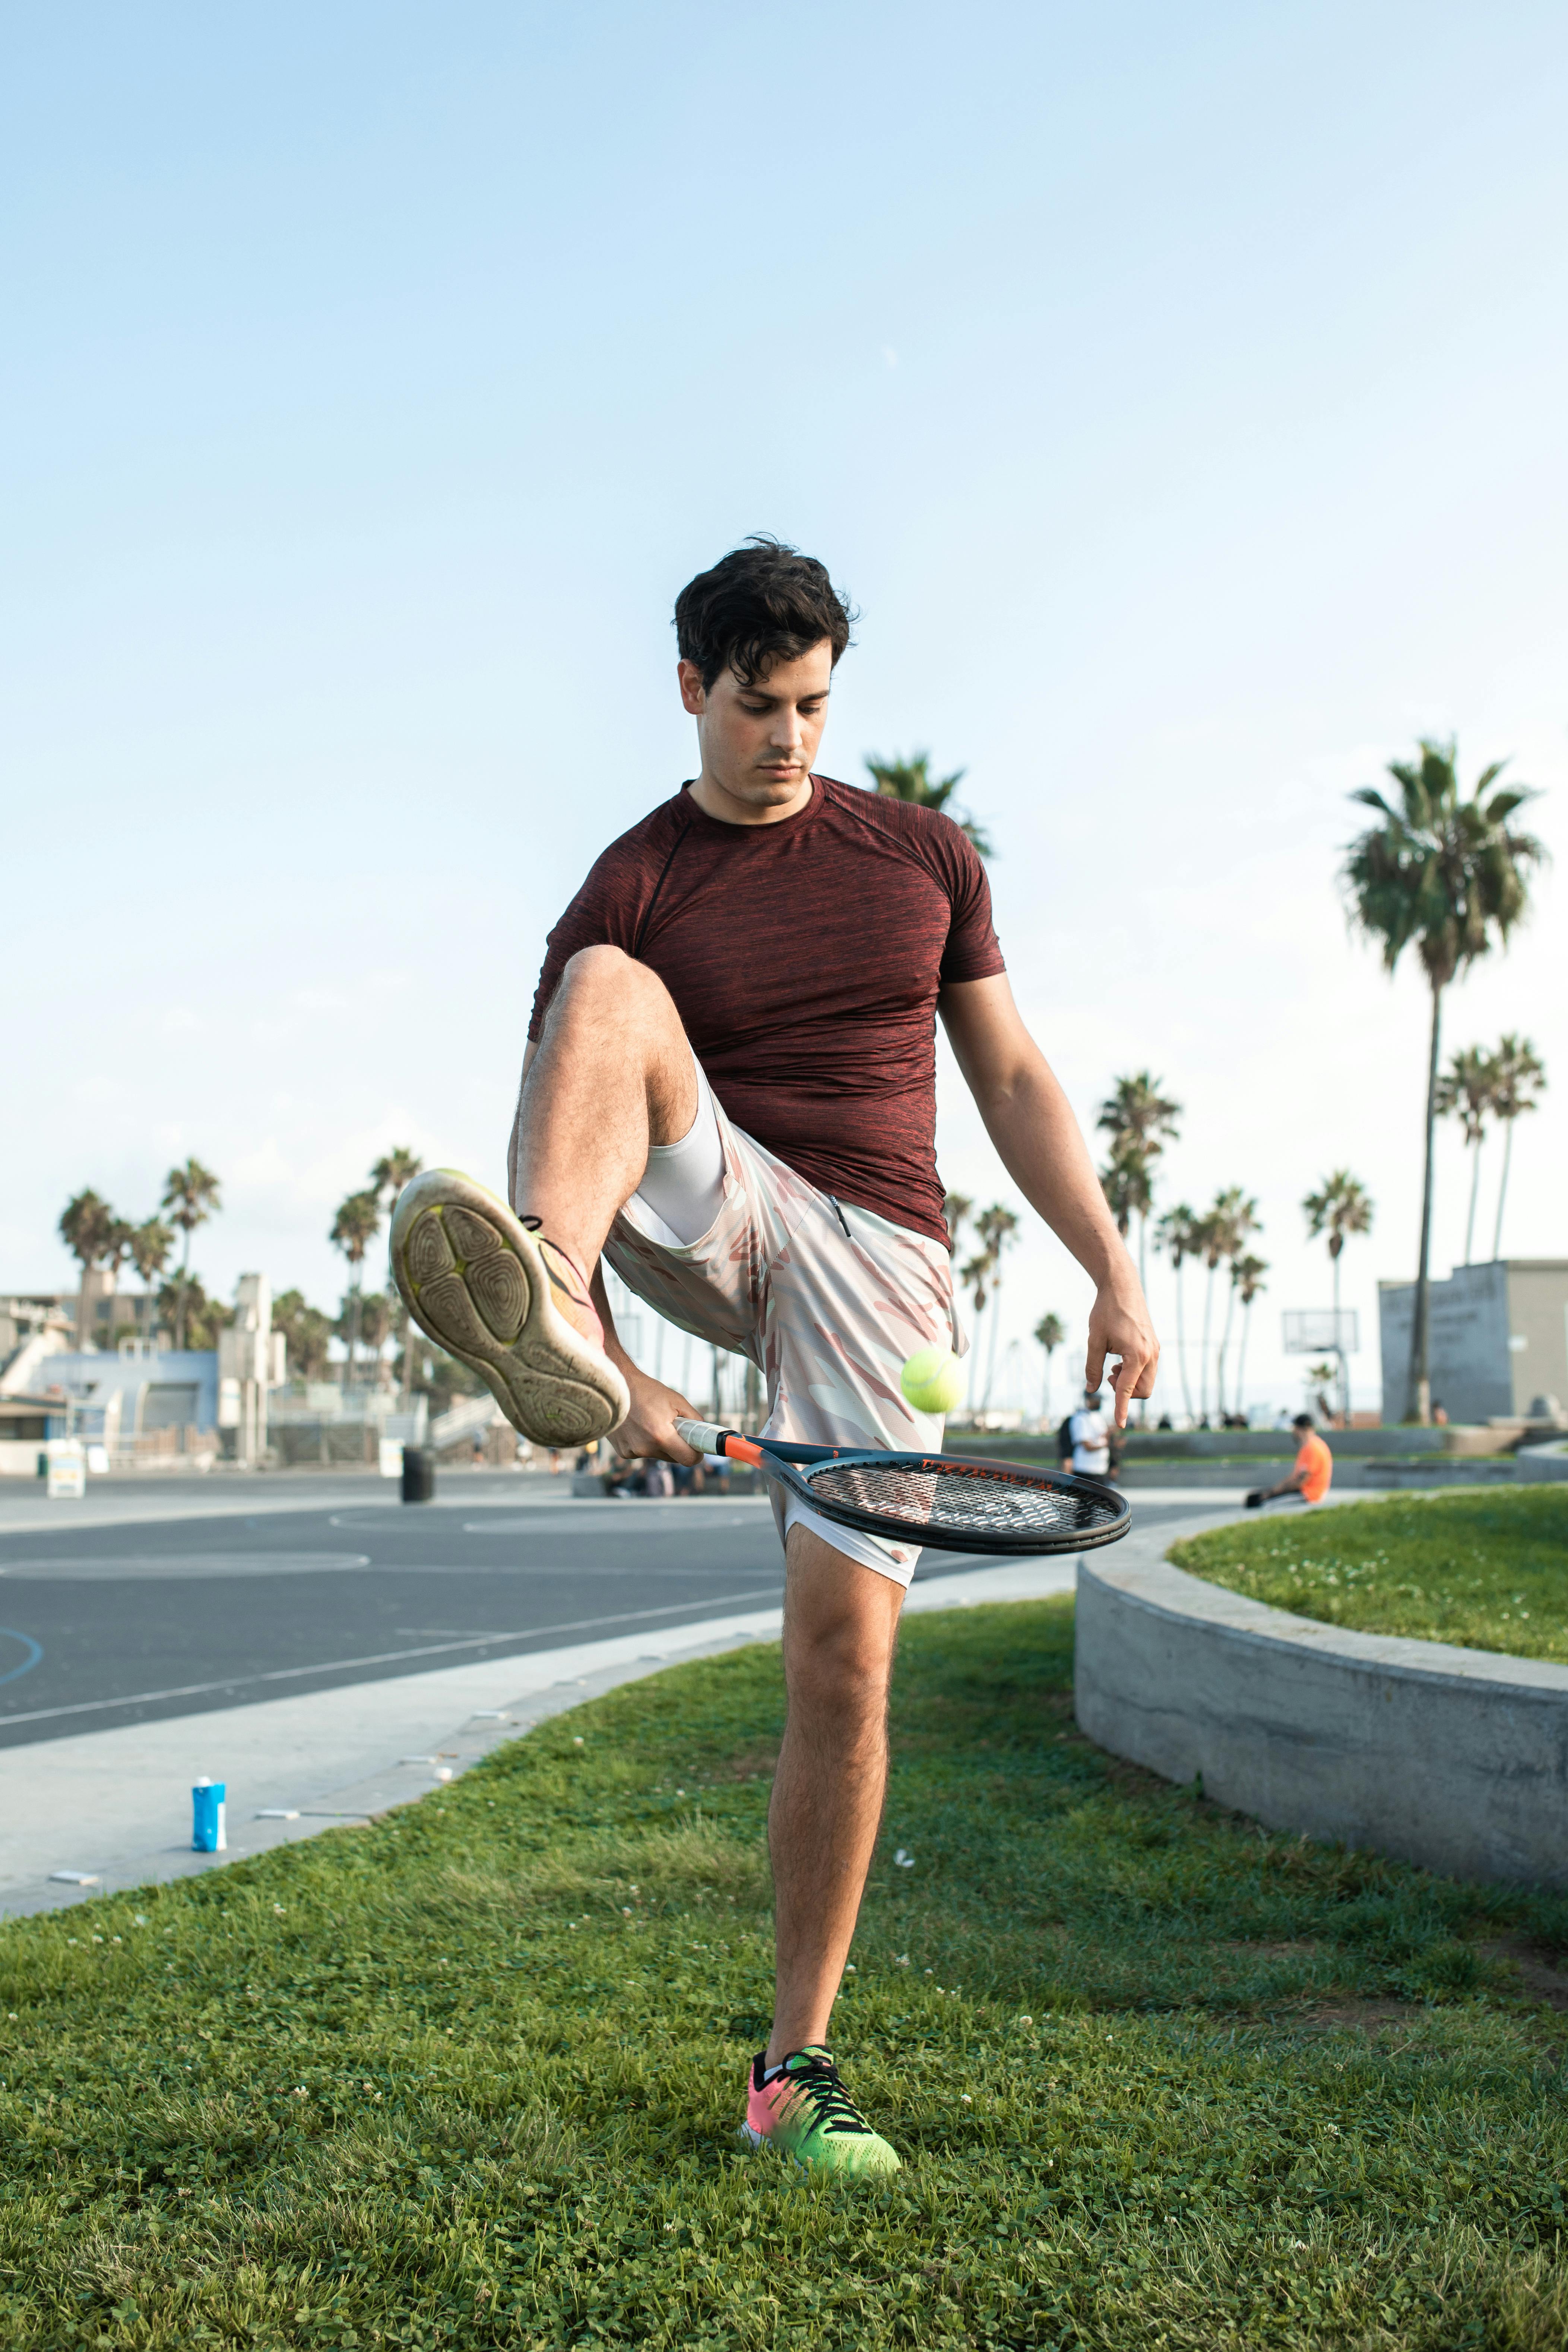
840, 1626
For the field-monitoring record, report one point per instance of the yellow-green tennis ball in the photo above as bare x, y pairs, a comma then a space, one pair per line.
931, 1380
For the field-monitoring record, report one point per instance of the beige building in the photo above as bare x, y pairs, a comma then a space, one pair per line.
1498, 1342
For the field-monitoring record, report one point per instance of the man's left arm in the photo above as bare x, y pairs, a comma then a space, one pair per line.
1030, 1121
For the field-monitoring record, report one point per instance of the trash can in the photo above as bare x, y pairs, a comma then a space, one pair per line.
418, 1475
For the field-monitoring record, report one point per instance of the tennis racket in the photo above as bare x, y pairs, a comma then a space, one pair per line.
934, 1499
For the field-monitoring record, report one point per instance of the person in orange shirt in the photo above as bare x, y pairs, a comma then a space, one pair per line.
1313, 1475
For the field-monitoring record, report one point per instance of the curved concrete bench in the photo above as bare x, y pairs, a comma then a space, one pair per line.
1454, 1758
1544, 1460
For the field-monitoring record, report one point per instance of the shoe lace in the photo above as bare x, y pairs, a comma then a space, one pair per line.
815, 2073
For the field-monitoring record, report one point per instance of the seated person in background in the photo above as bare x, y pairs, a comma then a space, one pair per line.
1313, 1475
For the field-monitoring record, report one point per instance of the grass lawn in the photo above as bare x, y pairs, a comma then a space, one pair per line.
1488, 1571
471, 2076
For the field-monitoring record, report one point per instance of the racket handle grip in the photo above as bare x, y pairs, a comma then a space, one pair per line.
706, 1437
702, 1436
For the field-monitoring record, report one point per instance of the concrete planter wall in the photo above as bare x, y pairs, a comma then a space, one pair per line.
1456, 1759
1544, 1460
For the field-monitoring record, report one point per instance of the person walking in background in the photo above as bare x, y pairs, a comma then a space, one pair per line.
1313, 1475
1085, 1438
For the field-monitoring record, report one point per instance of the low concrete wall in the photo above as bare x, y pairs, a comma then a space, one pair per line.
1456, 1759
1537, 1462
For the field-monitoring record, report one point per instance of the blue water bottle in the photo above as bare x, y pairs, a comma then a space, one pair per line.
209, 1832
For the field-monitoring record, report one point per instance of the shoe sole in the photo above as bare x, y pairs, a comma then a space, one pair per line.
472, 1278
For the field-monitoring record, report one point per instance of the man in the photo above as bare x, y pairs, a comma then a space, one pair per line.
1313, 1475
729, 1093
1086, 1438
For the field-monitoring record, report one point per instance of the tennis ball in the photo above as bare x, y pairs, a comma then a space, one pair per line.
932, 1380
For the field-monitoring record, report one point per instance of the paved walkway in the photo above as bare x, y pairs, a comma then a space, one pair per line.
114, 1806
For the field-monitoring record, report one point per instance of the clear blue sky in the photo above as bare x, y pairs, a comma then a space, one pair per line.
1180, 393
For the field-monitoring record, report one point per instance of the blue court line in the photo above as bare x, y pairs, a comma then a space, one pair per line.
7, 1634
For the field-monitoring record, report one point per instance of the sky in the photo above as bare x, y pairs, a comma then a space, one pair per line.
1178, 394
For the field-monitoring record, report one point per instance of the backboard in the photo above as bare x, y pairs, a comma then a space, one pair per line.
1319, 1331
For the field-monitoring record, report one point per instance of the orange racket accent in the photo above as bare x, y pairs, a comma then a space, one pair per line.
743, 1449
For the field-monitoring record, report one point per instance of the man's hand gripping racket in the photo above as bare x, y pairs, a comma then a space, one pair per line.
936, 1498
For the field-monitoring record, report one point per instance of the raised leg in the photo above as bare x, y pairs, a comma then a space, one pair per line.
612, 1074
840, 1626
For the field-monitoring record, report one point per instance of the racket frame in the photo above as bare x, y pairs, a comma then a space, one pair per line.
778, 1458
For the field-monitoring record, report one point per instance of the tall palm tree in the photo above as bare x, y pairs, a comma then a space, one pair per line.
1049, 1331
1340, 1207
1237, 1218
391, 1172
1139, 1119
1519, 1080
957, 1208
191, 1195
306, 1332
912, 780
152, 1246
996, 1228
1208, 1243
1176, 1234
1446, 875
1465, 1093
355, 1226
1247, 1275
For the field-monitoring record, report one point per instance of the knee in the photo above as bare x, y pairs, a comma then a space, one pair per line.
601, 971
841, 1669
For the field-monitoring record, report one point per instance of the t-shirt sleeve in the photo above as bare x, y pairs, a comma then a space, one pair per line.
606, 912
973, 949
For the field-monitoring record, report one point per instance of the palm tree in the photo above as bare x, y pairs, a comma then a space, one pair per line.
1049, 1331
1321, 1375
1519, 1080
392, 1171
1125, 1182
91, 1232
1246, 1277
151, 1245
191, 1195
957, 1208
1341, 1206
1465, 1093
1138, 1117
306, 1332
996, 1228
1237, 1218
1209, 1245
911, 780
355, 1226
375, 1321
1176, 1234
1446, 875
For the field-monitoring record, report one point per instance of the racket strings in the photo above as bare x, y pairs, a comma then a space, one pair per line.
958, 1496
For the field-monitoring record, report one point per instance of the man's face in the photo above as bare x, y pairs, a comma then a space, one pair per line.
759, 741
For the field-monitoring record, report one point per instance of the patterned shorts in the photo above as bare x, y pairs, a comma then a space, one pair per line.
826, 1299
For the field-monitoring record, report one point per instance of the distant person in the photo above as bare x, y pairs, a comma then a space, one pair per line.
1311, 1479
1088, 1438
1440, 1415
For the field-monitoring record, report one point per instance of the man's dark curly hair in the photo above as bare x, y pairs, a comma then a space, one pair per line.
764, 602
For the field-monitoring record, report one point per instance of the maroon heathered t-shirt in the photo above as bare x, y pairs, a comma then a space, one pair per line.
805, 960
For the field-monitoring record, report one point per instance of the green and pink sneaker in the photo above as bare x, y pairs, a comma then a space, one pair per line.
805, 2113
